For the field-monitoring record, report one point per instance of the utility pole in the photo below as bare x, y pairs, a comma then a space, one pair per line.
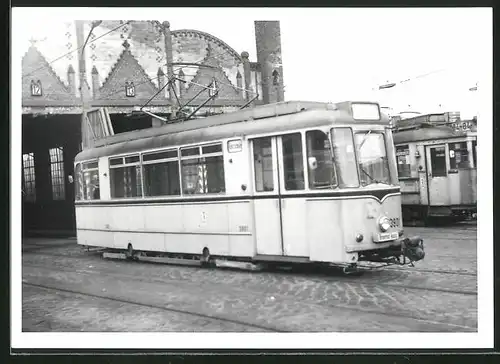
170, 67
83, 86
85, 97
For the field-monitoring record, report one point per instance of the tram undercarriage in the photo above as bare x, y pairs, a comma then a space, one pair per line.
428, 215
405, 251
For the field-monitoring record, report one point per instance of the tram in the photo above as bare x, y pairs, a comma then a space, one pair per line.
437, 159
291, 182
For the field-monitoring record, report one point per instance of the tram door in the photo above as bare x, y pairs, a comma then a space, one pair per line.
437, 175
278, 171
268, 226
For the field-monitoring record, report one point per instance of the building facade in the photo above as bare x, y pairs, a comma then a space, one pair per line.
123, 65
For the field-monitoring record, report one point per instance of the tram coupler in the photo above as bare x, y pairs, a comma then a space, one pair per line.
413, 249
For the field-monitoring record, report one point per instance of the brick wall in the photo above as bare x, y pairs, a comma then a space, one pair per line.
192, 46
35, 68
147, 54
126, 69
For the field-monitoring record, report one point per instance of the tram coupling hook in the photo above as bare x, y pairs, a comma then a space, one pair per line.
413, 248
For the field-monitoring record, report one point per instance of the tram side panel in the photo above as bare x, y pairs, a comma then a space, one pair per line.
462, 187
89, 219
224, 228
326, 235
468, 186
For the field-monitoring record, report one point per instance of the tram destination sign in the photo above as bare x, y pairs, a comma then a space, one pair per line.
462, 125
365, 111
234, 146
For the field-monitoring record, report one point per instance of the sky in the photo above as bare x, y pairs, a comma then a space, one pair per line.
337, 54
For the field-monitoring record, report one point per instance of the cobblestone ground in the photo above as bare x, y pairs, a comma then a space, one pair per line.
68, 289
449, 248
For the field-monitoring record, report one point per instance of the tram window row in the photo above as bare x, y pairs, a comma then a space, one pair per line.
157, 174
359, 159
458, 158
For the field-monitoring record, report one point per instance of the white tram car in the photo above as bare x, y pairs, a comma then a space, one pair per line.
294, 182
437, 166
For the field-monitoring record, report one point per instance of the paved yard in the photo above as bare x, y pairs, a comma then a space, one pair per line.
68, 289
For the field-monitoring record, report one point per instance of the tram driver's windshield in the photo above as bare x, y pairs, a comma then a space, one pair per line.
372, 158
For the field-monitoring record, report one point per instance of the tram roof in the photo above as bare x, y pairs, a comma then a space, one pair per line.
288, 115
426, 133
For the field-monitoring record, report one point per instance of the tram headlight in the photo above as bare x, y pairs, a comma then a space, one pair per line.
384, 223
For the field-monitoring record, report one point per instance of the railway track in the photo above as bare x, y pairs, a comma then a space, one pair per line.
352, 285
435, 271
388, 312
332, 275
159, 307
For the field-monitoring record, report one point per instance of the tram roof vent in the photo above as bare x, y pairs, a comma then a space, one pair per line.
287, 107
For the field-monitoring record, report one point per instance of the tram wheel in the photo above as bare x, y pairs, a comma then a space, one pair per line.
130, 252
205, 257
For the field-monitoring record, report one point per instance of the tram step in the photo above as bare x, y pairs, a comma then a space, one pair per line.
238, 265
170, 260
192, 262
109, 255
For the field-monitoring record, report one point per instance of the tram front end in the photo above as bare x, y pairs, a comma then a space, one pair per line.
377, 235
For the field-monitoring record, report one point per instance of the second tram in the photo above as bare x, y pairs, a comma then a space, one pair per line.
437, 166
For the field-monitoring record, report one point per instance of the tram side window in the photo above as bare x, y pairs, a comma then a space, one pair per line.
403, 159
344, 157
78, 182
293, 162
125, 177
202, 170
161, 174
320, 162
459, 155
438, 161
89, 181
263, 165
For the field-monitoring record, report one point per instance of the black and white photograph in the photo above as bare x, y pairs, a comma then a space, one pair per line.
252, 178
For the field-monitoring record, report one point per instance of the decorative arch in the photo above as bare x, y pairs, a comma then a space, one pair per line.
209, 37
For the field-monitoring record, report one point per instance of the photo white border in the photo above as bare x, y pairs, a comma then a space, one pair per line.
482, 339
